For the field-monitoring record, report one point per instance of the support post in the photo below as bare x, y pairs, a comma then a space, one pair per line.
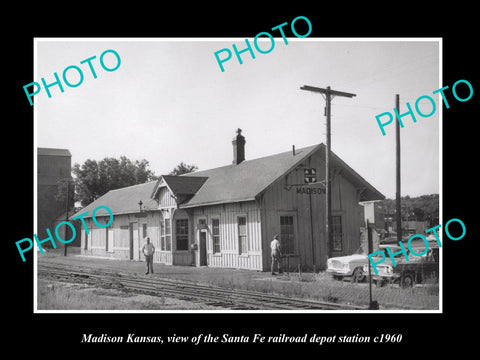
373, 304
66, 217
398, 200
312, 238
328, 206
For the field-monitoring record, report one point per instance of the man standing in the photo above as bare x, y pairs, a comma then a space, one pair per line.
276, 255
148, 250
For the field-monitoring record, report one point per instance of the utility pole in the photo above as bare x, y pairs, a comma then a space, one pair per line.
329, 95
66, 216
398, 210
373, 305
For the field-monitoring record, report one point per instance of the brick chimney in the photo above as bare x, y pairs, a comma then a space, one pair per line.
238, 148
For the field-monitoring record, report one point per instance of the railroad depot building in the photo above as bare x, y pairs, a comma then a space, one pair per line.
227, 216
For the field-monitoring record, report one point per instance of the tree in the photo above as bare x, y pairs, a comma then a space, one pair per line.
61, 196
424, 207
183, 168
93, 179
419, 214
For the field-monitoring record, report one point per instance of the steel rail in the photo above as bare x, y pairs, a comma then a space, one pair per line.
232, 298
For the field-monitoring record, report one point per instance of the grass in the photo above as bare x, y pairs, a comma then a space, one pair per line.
321, 286
54, 295
62, 296
317, 286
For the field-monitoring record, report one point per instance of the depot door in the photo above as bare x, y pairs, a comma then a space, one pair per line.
203, 248
134, 254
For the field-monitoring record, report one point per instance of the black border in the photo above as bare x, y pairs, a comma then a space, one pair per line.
428, 332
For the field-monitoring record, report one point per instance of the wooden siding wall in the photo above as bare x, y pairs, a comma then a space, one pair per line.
278, 201
229, 247
167, 202
120, 231
263, 221
165, 198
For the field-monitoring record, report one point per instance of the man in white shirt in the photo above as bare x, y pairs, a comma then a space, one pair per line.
148, 250
276, 255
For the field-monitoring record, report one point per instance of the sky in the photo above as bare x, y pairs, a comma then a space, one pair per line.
169, 102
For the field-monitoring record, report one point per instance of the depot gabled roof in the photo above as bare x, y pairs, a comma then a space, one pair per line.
123, 201
232, 183
186, 186
245, 181
249, 179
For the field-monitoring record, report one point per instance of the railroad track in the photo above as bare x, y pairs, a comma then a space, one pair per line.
234, 299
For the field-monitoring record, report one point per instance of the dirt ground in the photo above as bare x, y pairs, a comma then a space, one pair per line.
318, 286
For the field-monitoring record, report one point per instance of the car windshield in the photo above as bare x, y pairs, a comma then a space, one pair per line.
393, 249
359, 251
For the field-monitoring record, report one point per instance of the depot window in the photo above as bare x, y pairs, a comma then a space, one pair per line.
181, 234
216, 235
165, 235
242, 234
287, 234
337, 233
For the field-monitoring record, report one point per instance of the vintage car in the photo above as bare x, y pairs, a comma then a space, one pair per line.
431, 237
416, 272
385, 268
393, 240
384, 271
350, 265
407, 273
